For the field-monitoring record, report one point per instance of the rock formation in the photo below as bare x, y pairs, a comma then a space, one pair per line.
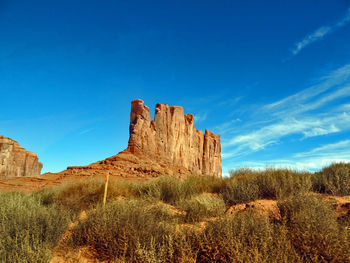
173, 138
15, 161
167, 145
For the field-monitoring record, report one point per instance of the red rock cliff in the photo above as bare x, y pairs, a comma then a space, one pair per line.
16, 161
173, 138
167, 145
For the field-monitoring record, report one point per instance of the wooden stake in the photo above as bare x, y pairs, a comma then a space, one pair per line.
106, 186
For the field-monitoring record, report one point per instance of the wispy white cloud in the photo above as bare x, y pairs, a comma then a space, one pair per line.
200, 117
318, 131
271, 134
309, 164
227, 126
313, 112
316, 35
326, 83
86, 131
320, 33
230, 102
341, 147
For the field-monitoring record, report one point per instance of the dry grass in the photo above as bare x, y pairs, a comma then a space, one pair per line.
124, 228
28, 229
314, 230
246, 185
334, 179
201, 207
244, 237
144, 221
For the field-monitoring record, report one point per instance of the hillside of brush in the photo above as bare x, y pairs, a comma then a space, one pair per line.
275, 215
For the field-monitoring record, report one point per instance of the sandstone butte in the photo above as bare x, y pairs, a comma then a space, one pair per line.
15, 161
167, 145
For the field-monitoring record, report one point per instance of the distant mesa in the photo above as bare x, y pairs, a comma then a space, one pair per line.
167, 145
15, 161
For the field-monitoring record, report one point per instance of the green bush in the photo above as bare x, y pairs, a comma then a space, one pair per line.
28, 229
314, 230
247, 185
334, 179
202, 206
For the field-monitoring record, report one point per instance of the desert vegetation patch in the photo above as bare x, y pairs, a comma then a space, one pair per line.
275, 215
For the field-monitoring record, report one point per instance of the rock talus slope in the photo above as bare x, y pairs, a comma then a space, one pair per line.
15, 161
167, 145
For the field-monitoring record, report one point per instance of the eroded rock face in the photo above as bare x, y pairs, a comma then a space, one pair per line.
15, 161
173, 138
167, 145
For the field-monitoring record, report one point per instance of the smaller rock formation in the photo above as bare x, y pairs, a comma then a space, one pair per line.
15, 161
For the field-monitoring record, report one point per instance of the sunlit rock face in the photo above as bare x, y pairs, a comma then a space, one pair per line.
167, 145
15, 161
172, 138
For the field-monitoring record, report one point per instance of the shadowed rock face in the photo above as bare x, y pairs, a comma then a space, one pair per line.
173, 138
15, 161
167, 145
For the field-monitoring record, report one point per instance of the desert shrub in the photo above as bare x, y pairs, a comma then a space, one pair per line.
28, 229
240, 190
165, 188
84, 194
248, 185
245, 238
202, 206
128, 230
282, 183
314, 230
174, 247
334, 179
194, 185
172, 190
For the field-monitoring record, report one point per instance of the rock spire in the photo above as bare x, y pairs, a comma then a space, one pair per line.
172, 137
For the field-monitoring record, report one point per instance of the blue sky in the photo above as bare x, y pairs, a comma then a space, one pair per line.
271, 77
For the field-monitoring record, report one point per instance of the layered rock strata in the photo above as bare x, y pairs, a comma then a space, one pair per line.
15, 161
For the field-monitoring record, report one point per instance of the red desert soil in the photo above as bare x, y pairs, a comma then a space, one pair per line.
32, 184
262, 207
